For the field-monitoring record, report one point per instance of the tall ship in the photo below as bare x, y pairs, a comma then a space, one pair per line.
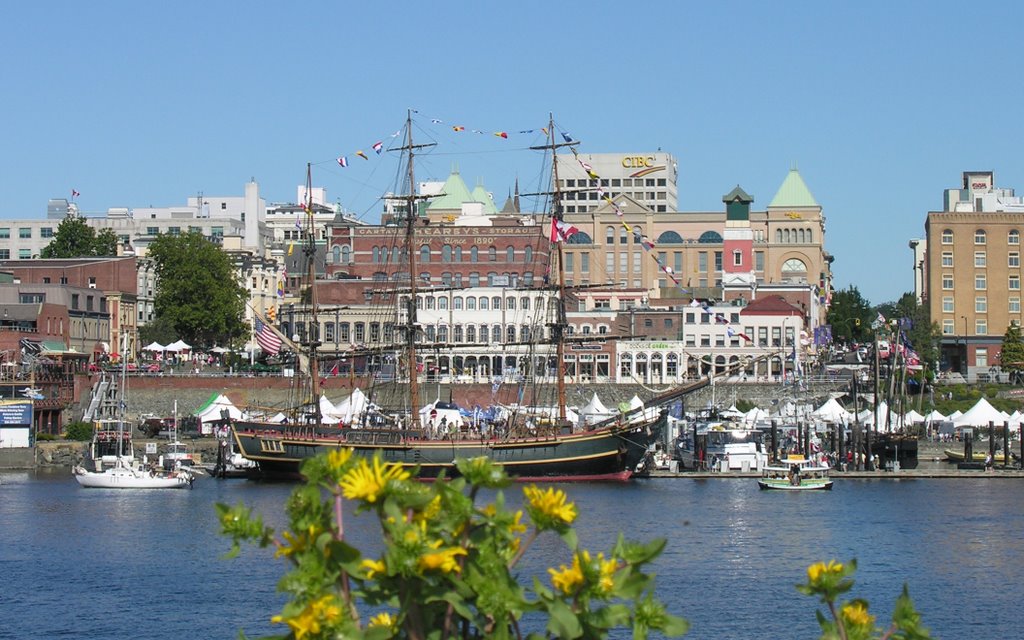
533, 438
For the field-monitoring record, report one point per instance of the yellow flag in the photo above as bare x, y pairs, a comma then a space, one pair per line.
291, 247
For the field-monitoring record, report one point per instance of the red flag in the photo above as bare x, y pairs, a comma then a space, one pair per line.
74, 194
458, 128
334, 369
560, 231
501, 134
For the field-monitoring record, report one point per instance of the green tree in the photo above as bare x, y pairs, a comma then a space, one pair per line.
197, 290
76, 239
850, 316
1011, 356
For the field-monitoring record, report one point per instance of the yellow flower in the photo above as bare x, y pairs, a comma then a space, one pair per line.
606, 579
312, 619
372, 567
297, 543
367, 481
551, 504
817, 570
382, 619
337, 458
857, 614
517, 526
441, 559
431, 510
568, 579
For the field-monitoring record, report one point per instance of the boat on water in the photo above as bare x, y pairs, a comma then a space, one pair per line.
977, 456
111, 462
229, 462
795, 473
534, 441
711, 443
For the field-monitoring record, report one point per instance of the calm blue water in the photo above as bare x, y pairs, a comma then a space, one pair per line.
98, 564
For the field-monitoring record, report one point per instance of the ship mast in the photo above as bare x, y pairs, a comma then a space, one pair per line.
313, 337
560, 323
411, 218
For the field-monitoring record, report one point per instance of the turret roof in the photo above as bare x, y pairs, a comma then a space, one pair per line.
793, 192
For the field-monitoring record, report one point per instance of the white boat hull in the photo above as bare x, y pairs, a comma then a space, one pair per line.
805, 485
123, 478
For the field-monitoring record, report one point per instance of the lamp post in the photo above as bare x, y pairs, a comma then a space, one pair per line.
964, 361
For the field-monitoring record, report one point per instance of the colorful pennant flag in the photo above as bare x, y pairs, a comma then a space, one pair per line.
362, 155
74, 194
378, 147
343, 161
458, 128
501, 134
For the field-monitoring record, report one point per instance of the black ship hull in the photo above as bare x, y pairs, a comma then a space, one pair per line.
611, 453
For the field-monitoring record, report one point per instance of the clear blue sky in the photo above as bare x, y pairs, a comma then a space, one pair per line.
881, 105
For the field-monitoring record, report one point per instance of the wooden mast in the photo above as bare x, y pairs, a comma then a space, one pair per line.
313, 337
560, 323
411, 218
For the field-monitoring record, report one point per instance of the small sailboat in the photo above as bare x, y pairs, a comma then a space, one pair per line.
111, 463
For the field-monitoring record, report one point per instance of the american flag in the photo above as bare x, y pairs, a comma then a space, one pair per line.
269, 341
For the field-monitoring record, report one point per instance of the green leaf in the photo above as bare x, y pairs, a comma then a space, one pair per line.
563, 623
569, 537
675, 626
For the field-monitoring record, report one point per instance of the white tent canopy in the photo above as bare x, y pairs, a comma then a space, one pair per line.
912, 417
831, 411
980, 415
595, 411
732, 412
212, 411
351, 408
934, 416
154, 346
953, 416
883, 420
179, 345
636, 403
327, 415
755, 414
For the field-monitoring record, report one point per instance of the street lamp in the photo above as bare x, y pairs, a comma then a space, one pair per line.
964, 365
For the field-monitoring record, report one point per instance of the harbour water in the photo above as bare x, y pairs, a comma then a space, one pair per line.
119, 564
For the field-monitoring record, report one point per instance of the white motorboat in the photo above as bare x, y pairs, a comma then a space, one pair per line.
795, 473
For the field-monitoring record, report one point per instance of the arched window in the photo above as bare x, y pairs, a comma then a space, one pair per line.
670, 237
979, 236
510, 333
374, 255
510, 304
396, 255
528, 254
586, 329
457, 303
778, 236
457, 333
602, 329
458, 254
336, 254
1013, 237
484, 333
470, 333
490, 278
346, 254
496, 333
496, 303
947, 236
474, 255
431, 302
794, 265
483, 303
623, 236
446, 253
474, 279
442, 333
810, 236
492, 254
580, 237
801, 236
425, 253
471, 303
510, 254
442, 303
609, 235
785, 237
524, 303
524, 333
710, 237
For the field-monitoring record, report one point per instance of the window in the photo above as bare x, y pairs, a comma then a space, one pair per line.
471, 303
947, 259
979, 236
46, 232
979, 258
609, 262
1013, 237
446, 253
636, 262
1014, 305
947, 327
24, 254
5, 232
759, 261
1014, 259
702, 262
947, 304
458, 254
981, 356
495, 303
947, 281
947, 236
510, 303
510, 254
492, 254
496, 333
623, 236
980, 305
442, 304
980, 282
25, 232
718, 261
174, 231
1015, 283
981, 326
737, 258
425, 253
457, 304
360, 332
568, 262
474, 279
623, 262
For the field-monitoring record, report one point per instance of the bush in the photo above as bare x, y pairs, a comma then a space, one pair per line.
45, 437
447, 569
80, 431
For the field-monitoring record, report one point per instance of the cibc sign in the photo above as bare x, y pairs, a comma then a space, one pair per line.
638, 162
